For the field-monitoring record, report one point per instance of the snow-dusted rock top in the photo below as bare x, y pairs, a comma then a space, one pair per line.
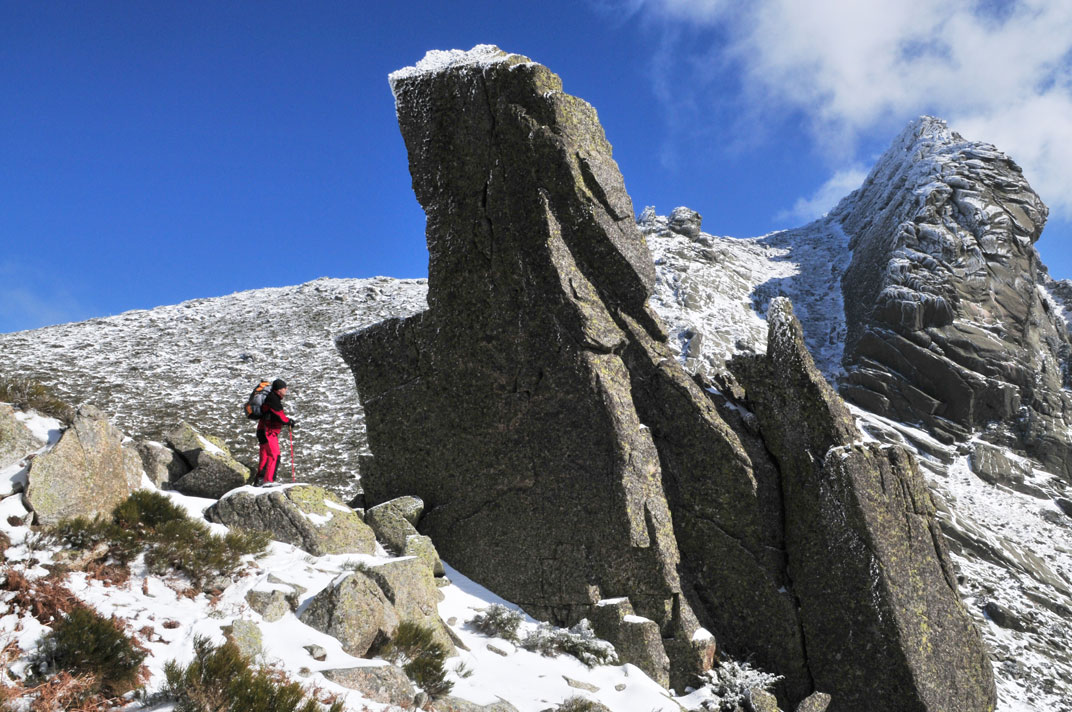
437, 60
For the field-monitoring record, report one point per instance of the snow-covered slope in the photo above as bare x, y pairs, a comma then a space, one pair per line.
199, 360
165, 616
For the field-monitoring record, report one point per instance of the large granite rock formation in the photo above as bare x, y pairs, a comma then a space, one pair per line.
866, 556
949, 320
506, 406
88, 471
538, 411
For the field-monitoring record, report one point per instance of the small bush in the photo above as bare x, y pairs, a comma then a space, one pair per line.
85, 643
579, 641
189, 546
731, 680
414, 648
146, 509
83, 534
220, 679
5, 542
149, 522
580, 704
45, 599
498, 621
27, 393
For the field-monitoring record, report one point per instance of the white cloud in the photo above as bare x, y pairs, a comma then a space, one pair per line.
825, 198
998, 71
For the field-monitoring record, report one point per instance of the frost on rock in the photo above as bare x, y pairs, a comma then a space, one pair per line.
436, 60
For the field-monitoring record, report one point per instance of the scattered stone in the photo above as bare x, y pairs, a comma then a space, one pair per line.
211, 480
497, 650
213, 471
306, 516
85, 473
579, 685
386, 684
1065, 505
757, 700
620, 687
1004, 617
815, 702
271, 605
247, 636
457, 704
317, 652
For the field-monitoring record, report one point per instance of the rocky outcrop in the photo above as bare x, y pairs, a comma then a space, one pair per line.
86, 473
506, 405
566, 458
949, 320
213, 472
309, 517
866, 556
16, 440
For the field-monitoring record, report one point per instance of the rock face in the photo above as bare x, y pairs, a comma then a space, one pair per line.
865, 553
565, 457
506, 406
16, 440
309, 517
950, 323
86, 473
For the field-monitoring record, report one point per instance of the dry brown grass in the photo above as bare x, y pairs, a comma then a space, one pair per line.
46, 599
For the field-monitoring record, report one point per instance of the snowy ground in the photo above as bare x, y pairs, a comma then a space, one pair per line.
167, 621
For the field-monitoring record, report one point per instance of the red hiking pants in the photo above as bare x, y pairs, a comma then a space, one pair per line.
269, 457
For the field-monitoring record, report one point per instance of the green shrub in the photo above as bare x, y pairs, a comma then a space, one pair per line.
189, 546
579, 641
146, 509
26, 393
220, 679
580, 704
83, 533
85, 643
149, 522
498, 621
415, 648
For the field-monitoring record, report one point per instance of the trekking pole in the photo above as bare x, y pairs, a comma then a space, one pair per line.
292, 476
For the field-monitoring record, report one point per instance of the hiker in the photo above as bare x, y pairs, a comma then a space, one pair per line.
272, 421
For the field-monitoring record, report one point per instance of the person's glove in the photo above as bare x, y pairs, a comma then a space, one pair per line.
293, 424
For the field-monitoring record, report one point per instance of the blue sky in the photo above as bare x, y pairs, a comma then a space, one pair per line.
156, 152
